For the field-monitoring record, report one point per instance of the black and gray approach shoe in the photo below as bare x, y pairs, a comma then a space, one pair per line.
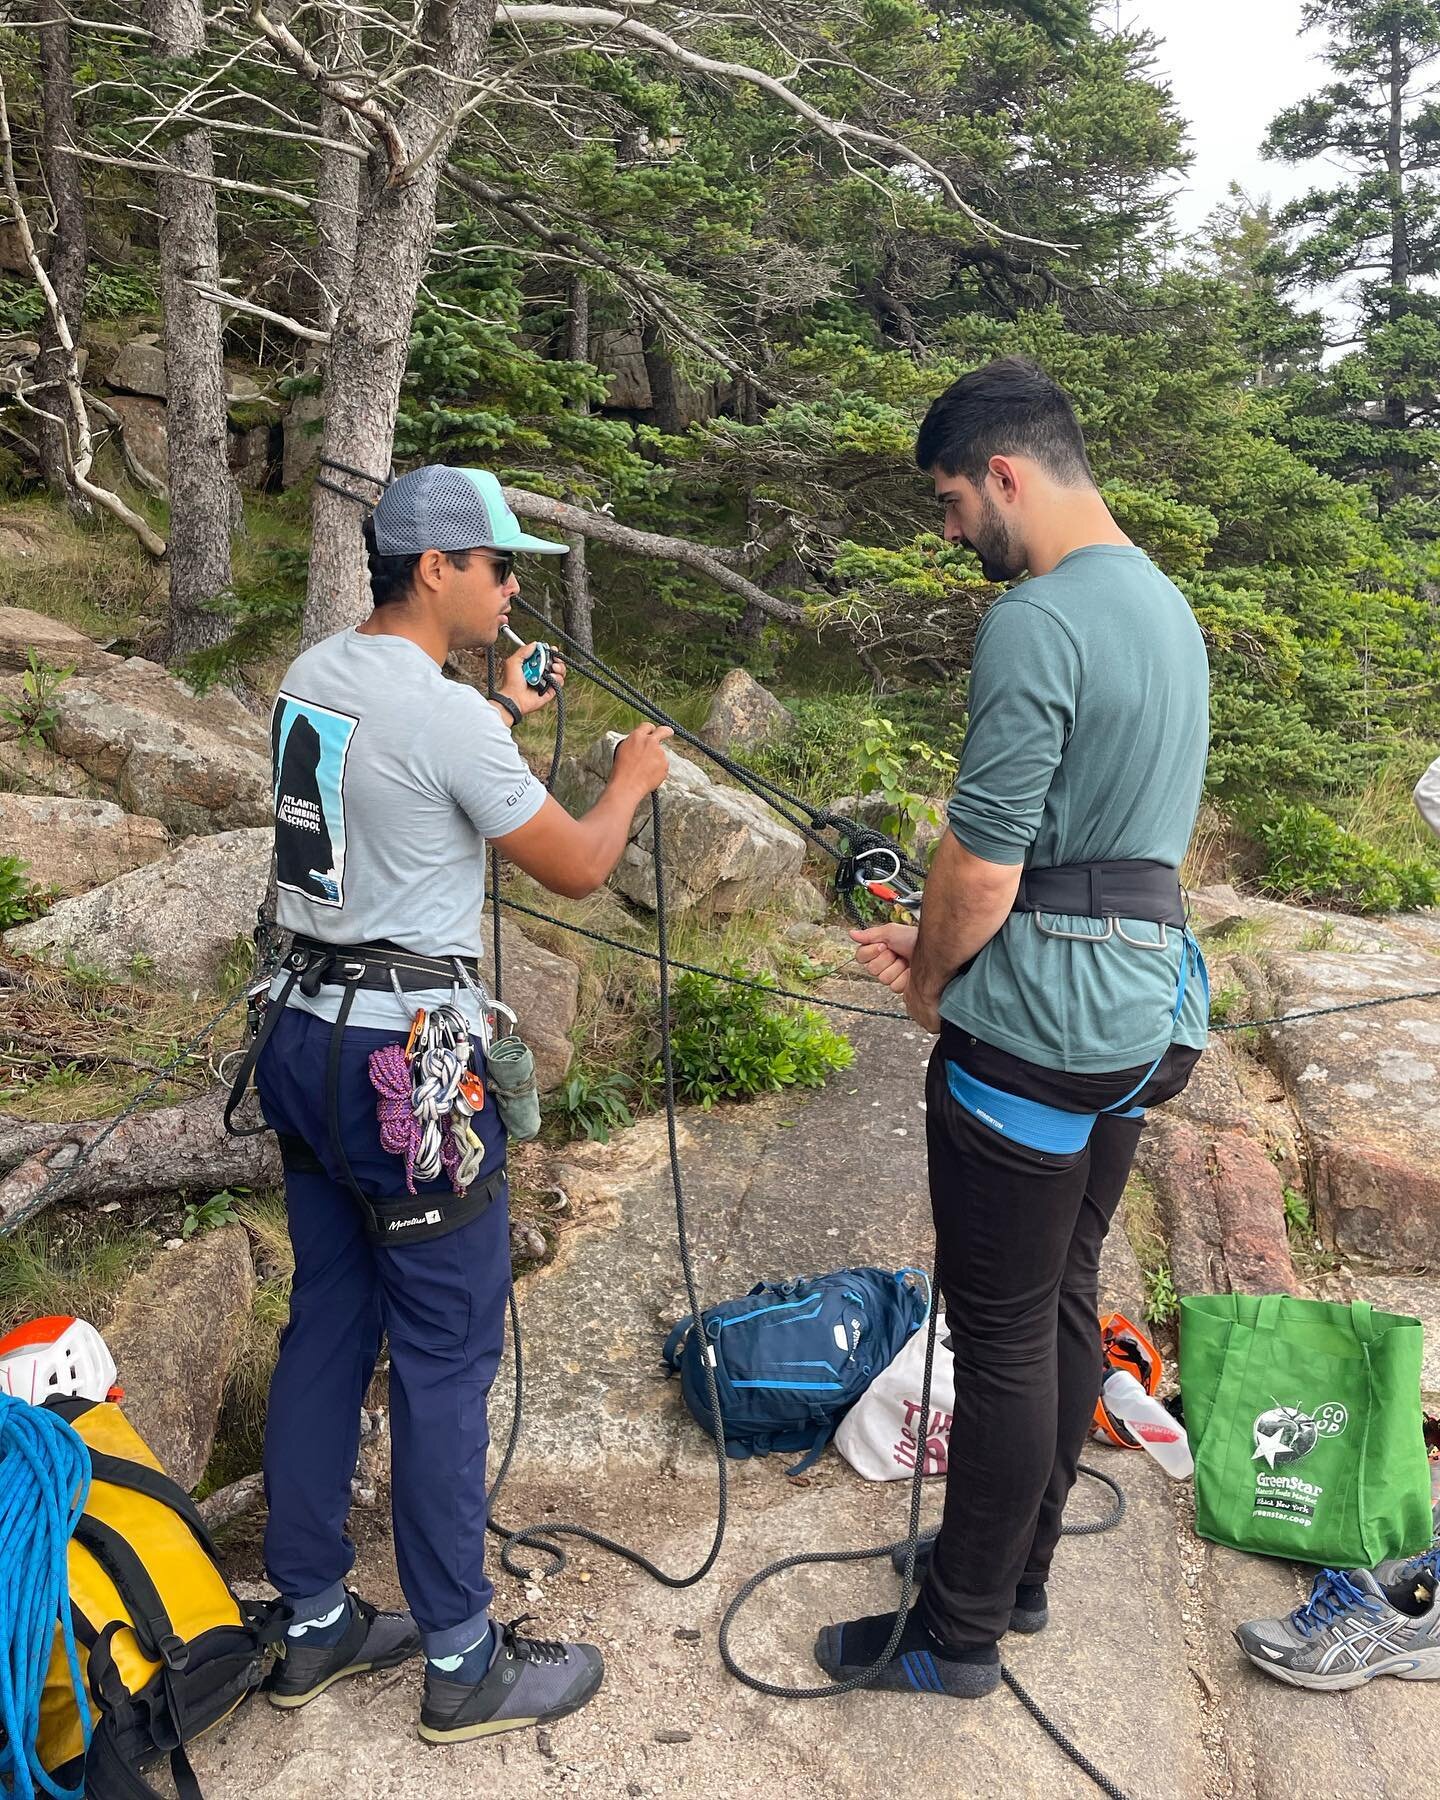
372, 1640
530, 1682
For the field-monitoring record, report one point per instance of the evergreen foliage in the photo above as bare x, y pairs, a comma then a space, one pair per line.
794, 309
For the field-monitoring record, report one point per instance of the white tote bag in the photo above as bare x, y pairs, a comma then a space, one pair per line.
881, 1435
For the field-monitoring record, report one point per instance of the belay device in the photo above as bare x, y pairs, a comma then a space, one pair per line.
537, 665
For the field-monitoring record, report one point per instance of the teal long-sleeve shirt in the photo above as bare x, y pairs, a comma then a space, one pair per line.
1088, 732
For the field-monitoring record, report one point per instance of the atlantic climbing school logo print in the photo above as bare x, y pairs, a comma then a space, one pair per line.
308, 746
1286, 1435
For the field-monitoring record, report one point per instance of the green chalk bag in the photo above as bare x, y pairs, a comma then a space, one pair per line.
510, 1065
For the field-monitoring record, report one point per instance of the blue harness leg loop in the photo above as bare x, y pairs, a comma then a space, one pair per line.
1051, 1128
1029, 1122
1190, 952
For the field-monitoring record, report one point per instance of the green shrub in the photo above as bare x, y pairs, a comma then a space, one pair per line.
891, 769
33, 712
1311, 858
19, 900
206, 1215
729, 1043
595, 1102
1162, 1303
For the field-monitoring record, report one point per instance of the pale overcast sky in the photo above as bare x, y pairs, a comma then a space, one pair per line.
1232, 65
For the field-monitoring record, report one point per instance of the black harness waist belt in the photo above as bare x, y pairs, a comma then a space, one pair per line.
1104, 890
318, 964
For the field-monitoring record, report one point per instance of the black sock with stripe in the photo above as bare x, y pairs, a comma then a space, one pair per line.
921, 1662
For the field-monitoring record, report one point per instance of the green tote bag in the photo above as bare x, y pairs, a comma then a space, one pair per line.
1304, 1417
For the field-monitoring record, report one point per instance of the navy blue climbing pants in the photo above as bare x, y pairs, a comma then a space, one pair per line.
1018, 1234
440, 1303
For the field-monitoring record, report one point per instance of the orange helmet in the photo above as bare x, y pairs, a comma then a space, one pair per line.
58, 1356
1125, 1346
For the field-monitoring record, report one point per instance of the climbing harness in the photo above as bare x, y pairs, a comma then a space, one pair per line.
441, 1102
1056, 1130
44, 1483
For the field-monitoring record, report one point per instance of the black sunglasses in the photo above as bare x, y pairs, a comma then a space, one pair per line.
504, 561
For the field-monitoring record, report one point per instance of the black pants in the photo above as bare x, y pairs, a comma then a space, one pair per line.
1017, 1239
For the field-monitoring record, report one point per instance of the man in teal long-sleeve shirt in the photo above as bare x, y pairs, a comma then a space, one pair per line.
1054, 965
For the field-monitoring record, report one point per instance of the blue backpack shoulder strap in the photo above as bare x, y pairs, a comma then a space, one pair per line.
812, 1455
672, 1352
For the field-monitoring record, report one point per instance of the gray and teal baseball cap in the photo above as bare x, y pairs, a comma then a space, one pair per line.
440, 508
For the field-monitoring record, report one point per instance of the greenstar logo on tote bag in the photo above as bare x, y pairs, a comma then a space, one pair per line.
1305, 1420
1286, 1435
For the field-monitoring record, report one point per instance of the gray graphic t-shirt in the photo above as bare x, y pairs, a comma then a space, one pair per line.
388, 781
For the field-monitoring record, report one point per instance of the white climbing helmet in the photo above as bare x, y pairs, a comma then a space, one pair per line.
53, 1357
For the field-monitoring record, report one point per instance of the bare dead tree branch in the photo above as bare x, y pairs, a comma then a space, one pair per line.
228, 183
232, 1502
237, 303
844, 135
353, 99
656, 546
82, 449
143, 476
184, 1148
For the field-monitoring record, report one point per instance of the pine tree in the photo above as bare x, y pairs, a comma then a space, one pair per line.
1380, 225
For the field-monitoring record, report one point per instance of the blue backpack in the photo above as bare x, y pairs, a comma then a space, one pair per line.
792, 1357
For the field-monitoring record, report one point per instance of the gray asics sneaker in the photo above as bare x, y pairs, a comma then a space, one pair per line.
373, 1640
529, 1682
1346, 1634
1410, 1581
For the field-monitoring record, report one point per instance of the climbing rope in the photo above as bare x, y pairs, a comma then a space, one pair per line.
542, 1538
44, 1483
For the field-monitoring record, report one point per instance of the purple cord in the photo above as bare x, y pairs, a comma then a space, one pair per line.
399, 1128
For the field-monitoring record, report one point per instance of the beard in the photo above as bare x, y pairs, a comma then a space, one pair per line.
1001, 558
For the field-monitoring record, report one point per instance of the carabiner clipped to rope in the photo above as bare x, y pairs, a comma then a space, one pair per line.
877, 866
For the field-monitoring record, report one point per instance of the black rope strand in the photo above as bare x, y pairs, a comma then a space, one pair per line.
787, 804
900, 1018
539, 1536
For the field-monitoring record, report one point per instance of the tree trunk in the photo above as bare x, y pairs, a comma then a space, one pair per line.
68, 250
660, 372
182, 1148
1396, 418
372, 333
578, 602
337, 219
203, 496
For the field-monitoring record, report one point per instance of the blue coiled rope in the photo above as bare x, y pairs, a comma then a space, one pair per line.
44, 1482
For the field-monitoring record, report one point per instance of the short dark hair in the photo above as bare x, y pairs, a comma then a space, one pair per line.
1008, 407
391, 576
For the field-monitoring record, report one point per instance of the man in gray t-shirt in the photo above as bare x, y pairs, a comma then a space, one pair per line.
390, 782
